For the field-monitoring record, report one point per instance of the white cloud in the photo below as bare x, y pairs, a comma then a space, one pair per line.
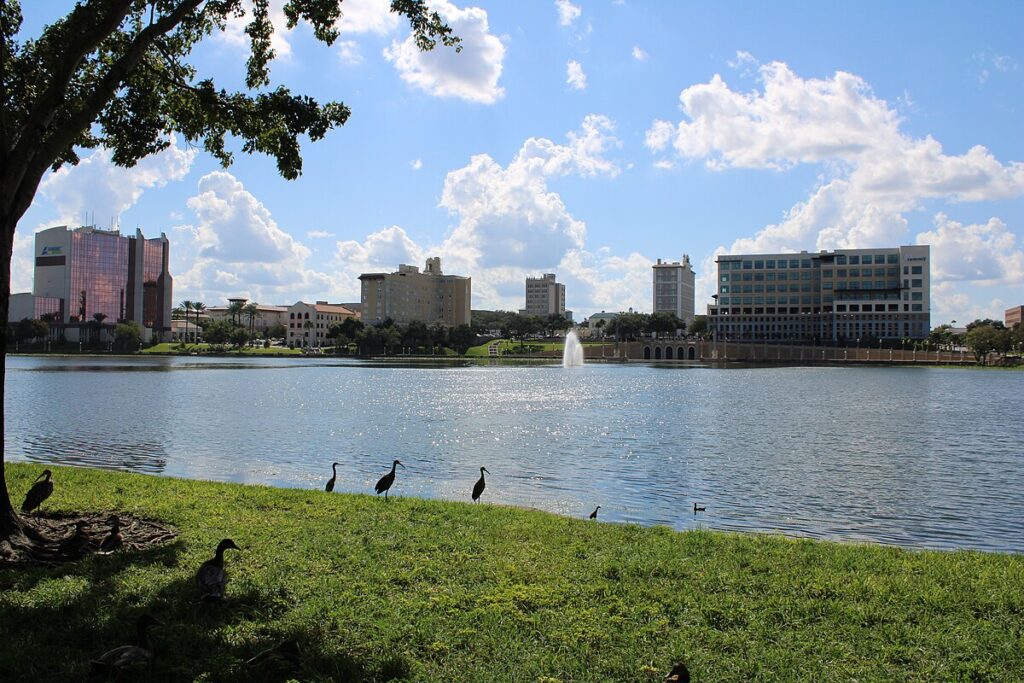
575, 76
367, 16
639, 54
664, 164
744, 62
985, 253
235, 36
470, 75
416, 164
319, 234
106, 190
567, 12
873, 173
348, 52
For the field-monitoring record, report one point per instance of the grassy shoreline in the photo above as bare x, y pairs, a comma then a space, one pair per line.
439, 591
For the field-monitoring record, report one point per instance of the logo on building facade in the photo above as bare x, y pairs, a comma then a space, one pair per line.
53, 251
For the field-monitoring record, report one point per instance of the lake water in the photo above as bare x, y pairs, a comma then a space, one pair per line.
919, 457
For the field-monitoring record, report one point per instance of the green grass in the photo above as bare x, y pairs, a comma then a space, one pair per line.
440, 591
175, 347
515, 347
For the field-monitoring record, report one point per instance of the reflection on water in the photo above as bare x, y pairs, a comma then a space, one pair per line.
923, 457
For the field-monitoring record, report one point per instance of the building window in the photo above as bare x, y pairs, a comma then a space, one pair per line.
915, 282
916, 307
915, 270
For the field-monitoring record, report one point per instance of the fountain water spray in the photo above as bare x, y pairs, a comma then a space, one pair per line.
572, 357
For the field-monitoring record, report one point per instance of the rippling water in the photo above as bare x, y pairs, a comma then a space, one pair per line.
922, 457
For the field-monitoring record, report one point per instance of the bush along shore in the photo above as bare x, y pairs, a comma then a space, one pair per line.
360, 589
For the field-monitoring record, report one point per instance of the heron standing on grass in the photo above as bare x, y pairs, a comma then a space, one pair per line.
334, 476
480, 485
39, 492
387, 480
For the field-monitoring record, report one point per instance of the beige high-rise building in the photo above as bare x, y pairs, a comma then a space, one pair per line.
673, 288
544, 296
430, 297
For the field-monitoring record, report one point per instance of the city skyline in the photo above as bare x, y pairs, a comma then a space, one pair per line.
913, 143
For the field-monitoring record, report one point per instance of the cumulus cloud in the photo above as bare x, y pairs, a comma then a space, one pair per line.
319, 234
367, 16
567, 12
348, 52
639, 54
470, 75
106, 190
236, 248
575, 76
985, 253
416, 164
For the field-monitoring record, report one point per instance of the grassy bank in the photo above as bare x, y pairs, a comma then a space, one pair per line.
178, 348
435, 591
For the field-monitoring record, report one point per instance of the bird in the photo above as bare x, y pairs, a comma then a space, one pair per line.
334, 475
697, 509
678, 674
387, 480
113, 540
480, 485
593, 515
211, 578
128, 656
39, 492
77, 542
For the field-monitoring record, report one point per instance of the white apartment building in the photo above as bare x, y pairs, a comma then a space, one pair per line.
308, 324
672, 288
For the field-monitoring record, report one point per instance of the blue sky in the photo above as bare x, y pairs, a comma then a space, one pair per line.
591, 138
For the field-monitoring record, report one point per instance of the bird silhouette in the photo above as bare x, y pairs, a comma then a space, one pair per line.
387, 480
211, 578
697, 509
125, 657
593, 515
113, 540
480, 485
678, 674
334, 475
77, 542
39, 492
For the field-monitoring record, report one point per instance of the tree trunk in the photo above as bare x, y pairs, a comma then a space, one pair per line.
10, 522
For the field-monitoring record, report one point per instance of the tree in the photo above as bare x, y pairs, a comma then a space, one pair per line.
27, 328
97, 326
235, 312
986, 338
116, 73
128, 336
699, 326
461, 338
308, 325
252, 311
239, 336
199, 307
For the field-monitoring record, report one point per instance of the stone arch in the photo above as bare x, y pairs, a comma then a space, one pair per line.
657, 353
693, 353
647, 353
668, 353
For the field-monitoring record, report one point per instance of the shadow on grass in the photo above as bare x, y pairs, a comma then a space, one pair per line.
63, 616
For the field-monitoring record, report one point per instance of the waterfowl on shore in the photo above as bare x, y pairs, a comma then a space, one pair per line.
697, 509
211, 578
77, 542
334, 476
128, 656
678, 674
113, 540
387, 480
39, 492
593, 515
480, 485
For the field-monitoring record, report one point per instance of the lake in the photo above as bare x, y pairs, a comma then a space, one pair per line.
916, 457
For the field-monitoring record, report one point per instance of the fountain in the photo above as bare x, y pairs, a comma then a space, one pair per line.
572, 357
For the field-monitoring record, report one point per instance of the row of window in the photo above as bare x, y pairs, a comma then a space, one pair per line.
840, 259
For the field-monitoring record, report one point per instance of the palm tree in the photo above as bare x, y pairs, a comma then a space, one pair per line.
253, 311
187, 306
235, 311
308, 325
98, 319
198, 307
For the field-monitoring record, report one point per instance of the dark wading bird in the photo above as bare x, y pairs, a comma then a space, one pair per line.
697, 509
334, 475
127, 656
39, 492
113, 540
211, 578
480, 485
593, 515
678, 674
387, 480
